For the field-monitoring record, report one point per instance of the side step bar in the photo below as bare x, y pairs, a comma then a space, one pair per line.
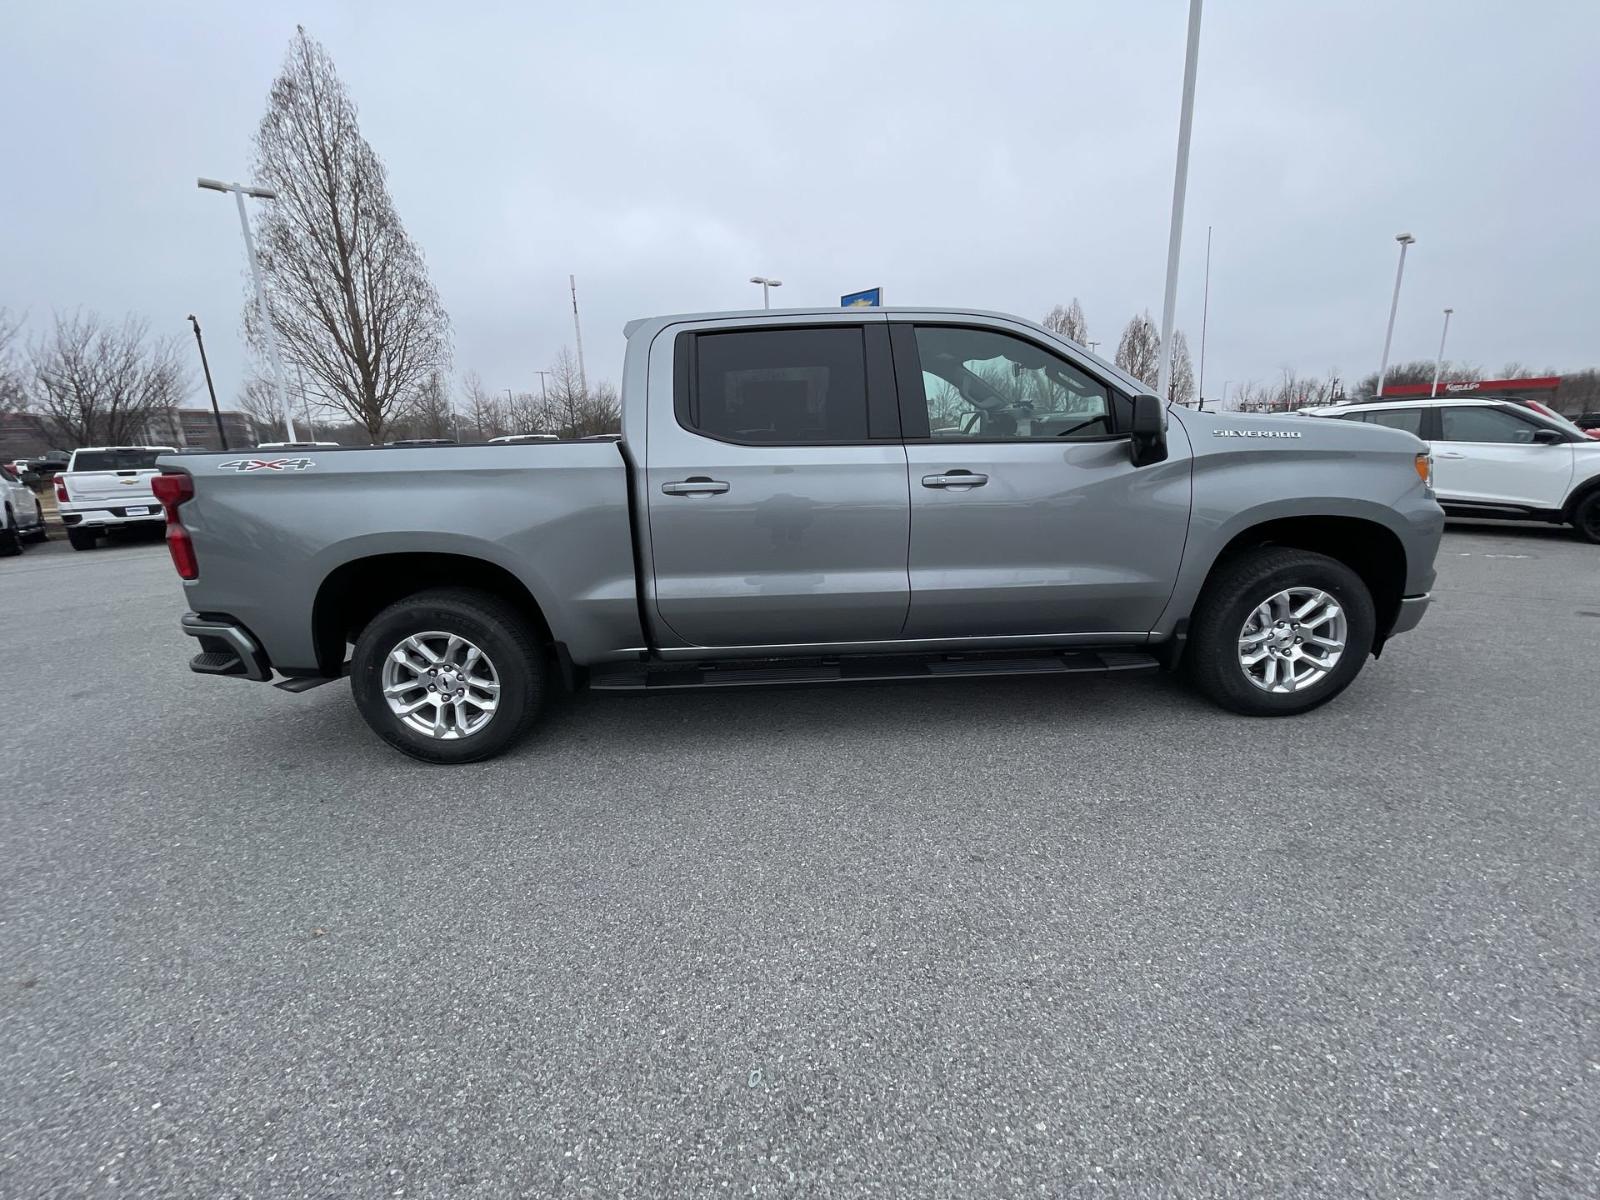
655, 677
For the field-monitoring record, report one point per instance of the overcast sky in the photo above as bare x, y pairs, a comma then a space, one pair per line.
1003, 156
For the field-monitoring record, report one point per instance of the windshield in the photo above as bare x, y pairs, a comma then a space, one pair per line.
1555, 418
115, 460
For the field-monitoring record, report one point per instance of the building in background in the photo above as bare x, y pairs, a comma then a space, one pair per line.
23, 436
196, 429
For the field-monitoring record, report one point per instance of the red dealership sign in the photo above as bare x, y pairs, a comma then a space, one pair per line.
1470, 387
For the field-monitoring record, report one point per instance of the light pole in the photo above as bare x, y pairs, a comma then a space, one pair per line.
222, 438
766, 284
1405, 240
1180, 184
240, 191
1438, 364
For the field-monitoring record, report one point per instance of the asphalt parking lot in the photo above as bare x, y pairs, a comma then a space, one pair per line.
1022, 937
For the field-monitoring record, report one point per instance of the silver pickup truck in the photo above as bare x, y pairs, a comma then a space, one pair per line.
813, 496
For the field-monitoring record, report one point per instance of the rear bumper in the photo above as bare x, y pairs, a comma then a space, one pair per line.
113, 514
226, 648
1410, 615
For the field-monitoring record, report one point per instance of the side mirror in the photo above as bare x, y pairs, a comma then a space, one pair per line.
1548, 437
1149, 442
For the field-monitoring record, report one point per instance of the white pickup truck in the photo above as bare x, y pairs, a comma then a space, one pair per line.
106, 487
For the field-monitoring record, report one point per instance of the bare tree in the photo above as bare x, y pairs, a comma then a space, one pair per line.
1180, 389
1417, 371
13, 394
258, 400
92, 383
483, 407
1139, 351
1068, 322
431, 414
351, 298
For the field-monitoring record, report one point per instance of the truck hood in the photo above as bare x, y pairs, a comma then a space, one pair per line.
1212, 431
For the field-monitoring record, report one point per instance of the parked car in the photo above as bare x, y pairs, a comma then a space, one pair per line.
779, 511
1588, 422
516, 439
422, 442
108, 487
21, 515
297, 445
1497, 458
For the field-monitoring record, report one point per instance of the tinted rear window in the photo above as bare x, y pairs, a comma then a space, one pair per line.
115, 460
783, 386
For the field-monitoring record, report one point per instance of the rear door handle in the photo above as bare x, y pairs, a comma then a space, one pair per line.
695, 485
955, 479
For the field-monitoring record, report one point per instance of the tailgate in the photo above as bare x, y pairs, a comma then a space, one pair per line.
111, 487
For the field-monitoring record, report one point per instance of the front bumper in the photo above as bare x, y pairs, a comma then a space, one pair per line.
1410, 614
226, 648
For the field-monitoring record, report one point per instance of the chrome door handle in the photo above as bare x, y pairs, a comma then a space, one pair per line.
695, 485
955, 479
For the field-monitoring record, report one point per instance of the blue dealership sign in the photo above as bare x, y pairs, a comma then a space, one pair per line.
871, 298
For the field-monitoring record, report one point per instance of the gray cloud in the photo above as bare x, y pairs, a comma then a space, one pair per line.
1003, 156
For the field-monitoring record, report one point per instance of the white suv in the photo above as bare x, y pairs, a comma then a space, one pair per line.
1493, 458
21, 517
108, 486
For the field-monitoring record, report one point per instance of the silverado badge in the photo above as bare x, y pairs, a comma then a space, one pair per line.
1274, 433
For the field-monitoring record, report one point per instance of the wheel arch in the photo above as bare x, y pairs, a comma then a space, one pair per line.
1369, 548
1579, 494
354, 592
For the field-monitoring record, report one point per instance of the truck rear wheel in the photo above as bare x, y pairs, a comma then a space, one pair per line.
1279, 631
448, 675
81, 538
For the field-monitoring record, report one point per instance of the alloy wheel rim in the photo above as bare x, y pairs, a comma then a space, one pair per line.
440, 685
1292, 640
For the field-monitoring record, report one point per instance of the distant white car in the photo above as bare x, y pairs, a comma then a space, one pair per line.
513, 438
1495, 458
297, 445
21, 517
107, 487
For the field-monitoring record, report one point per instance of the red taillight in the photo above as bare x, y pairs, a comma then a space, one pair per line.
61, 489
172, 490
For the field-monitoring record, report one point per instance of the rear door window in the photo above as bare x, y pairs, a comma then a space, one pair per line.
789, 387
1408, 419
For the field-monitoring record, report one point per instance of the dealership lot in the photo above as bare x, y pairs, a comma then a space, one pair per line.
1027, 936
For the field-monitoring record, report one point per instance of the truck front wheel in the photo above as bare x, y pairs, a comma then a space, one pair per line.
1278, 631
448, 675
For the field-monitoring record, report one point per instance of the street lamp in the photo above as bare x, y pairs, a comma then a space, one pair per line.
1439, 362
766, 284
240, 191
222, 438
1180, 185
1405, 240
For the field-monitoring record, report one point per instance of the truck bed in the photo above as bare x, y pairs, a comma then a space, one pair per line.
275, 531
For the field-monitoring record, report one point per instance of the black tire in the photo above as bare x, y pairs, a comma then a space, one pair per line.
1586, 517
40, 532
1236, 588
82, 539
10, 539
488, 623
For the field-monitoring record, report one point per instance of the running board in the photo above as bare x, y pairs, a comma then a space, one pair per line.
658, 677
